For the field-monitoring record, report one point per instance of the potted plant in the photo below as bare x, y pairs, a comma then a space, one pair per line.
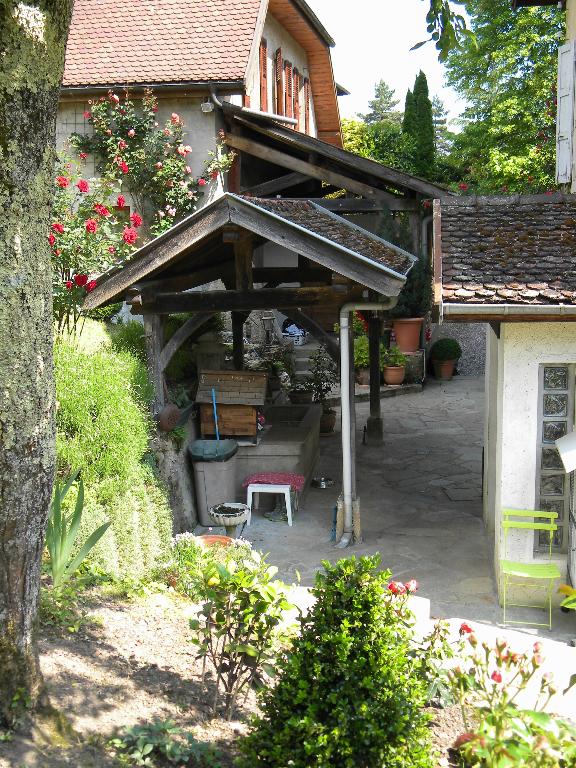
300, 392
393, 363
444, 354
362, 360
324, 375
413, 304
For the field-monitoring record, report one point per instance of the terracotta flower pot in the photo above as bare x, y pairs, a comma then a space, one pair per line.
209, 539
363, 376
394, 374
444, 369
327, 422
407, 333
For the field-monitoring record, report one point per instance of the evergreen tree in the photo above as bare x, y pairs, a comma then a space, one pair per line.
409, 120
382, 106
419, 124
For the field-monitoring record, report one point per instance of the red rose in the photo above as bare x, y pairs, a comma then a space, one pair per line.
121, 201
83, 155
113, 98
90, 285
87, 114
136, 219
58, 227
129, 235
91, 225
101, 209
83, 186
51, 239
80, 280
411, 585
62, 181
122, 144
465, 629
123, 166
111, 249
202, 182
496, 676
397, 588
69, 284
463, 186
214, 175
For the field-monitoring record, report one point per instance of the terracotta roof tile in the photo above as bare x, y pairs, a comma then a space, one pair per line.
513, 250
159, 41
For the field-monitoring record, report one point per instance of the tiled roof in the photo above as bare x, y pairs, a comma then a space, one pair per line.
509, 250
159, 41
321, 222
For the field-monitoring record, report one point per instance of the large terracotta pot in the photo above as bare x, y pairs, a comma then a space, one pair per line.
208, 539
407, 333
444, 369
394, 374
363, 376
327, 422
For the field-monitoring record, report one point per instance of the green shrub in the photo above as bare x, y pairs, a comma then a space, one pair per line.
129, 337
361, 352
346, 696
104, 313
393, 358
103, 428
445, 349
166, 743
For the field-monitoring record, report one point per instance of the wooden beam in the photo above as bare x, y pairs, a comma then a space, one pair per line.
154, 338
182, 334
274, 186
244, 301
316, 330
281, 275
185, 282
309, 169
243, 250
360, 205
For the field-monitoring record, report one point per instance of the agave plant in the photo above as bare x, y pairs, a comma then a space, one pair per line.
62, 531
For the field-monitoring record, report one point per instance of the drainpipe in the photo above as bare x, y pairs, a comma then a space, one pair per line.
345, 310
256, 112
424, 235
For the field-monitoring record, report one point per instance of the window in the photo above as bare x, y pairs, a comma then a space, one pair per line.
263, 75
556, 417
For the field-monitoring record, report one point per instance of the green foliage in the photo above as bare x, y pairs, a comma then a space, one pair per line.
103, 426
237, 624
60, 608
383, 141
415, 298
361, 353
445, 349
499, 733
418, 125
129, 337
446, 27
323, 375
104, 313
162, 743
508, 81
62, 531
345, 696
382, 106
392, 357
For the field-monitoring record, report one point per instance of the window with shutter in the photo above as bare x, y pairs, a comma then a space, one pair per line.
278, 82
306, 105
297, 99
288, 90
565, 118
263, 75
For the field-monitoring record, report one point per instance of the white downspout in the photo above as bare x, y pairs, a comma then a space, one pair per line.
345, 400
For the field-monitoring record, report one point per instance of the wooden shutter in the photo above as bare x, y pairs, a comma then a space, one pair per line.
278, 82
565, 117
306, 105
297, 98
263, 75
288, 90
245, 100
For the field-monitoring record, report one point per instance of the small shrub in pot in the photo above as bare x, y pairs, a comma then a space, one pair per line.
393, 363
362, 359
444, 354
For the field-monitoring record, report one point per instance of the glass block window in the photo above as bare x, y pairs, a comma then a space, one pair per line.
556, 416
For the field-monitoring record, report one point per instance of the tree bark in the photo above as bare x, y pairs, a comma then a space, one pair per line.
32, 44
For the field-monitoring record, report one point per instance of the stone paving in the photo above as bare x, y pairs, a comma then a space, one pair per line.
421, 505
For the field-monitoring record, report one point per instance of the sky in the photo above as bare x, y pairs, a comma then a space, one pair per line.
373, 40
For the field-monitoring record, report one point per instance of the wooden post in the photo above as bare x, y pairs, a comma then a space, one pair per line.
374, 425
238, 339
243, 268
154, 336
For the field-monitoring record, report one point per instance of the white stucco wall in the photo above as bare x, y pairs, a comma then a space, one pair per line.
512, 422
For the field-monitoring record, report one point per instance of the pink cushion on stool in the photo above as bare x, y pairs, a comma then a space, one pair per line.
296, 482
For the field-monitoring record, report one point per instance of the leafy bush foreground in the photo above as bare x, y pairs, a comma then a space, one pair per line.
104, 429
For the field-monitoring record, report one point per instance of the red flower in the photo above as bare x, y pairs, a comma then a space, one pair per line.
58, 227
62, 181
69, 285
397, 588
83, 186
91, 226
122, 144
202, 182
463, 186
115, 99
121, 201
123, 166
80, 280
496, 676
87, 114
83, 155
214, 175
51, 239
175, 119
101, 209
129, 235
111, 249
90, 285
136, 219
131, 133
411, 585
465, 629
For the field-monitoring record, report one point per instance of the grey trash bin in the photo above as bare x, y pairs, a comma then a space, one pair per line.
214, 474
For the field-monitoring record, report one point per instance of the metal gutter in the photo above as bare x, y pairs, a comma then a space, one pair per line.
511, 310
248, 111
200, 85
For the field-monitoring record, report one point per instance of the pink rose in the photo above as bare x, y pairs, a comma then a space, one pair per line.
121, 201
136, 219
131, 133
83, 186
91, 226
202, 182
129, 235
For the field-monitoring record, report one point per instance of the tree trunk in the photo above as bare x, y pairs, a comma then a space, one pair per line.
32, 43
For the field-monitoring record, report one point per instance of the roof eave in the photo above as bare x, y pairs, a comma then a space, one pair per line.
511, 312
200, 85
306, 11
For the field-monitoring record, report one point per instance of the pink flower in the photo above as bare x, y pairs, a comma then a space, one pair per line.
51, 239
175, 119
111, 249
537, 647
122, 144
136, 219
496, 676
214, 175
397, 588
114, 98
62, 181
123, 166
83, 155
131, 133
58, 227
91, 226
188, 169
158, 165
83, 186
167, 132
202, 182
86, 114
101, 209
121, 201
80, 280
69, 285
465, 629
129, 235
411, 585
155, 108
90, 286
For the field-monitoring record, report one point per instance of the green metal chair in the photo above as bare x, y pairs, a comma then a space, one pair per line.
540, 576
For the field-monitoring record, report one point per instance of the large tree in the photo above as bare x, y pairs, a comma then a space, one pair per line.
419, 126
383, 105
508, 80
32, 44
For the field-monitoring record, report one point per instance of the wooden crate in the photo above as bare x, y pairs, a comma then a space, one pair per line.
238, 395
233, 420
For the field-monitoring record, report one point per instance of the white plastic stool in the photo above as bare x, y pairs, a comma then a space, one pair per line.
268, 488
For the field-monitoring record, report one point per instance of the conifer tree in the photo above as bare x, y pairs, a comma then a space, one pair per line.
418, 123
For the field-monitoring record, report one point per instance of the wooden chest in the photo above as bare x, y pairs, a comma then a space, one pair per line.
238, 395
